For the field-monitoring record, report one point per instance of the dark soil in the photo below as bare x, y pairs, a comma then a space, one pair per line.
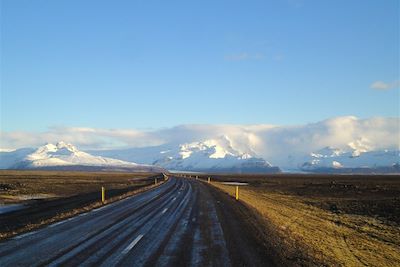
81, 193
370, 195
43, 209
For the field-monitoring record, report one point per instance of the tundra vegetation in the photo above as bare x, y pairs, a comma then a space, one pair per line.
334, 220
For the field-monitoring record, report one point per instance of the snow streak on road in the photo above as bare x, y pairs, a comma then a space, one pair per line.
175, 224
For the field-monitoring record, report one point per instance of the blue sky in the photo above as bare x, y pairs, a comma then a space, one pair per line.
154, 64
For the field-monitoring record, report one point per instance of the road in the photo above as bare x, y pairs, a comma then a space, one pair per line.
183, 222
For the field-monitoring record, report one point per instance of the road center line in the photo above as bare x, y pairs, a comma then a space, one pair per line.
164, 210
131, 245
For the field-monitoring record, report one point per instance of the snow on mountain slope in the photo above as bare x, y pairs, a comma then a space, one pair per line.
67, 154
61, 154
216, 154
11, 158
220, 154
339, 159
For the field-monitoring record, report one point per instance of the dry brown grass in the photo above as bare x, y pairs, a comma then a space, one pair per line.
331, 238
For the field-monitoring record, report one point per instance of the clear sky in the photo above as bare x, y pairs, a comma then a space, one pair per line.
151, 64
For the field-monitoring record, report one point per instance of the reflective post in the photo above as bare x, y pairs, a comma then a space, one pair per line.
237, 192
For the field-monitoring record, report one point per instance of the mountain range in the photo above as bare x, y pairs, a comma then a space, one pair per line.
64, 156
210, 155
331, 159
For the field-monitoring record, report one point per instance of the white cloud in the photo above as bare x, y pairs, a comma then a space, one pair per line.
342, 132
380, 85
274, 143
83, 137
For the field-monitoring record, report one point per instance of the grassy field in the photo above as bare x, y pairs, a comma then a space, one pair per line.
50, 196
336, 220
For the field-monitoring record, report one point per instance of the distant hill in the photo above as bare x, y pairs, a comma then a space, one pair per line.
212, 155
333, 160
63, 156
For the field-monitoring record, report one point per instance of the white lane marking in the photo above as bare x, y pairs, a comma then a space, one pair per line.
57, 223
100, 208
131, 245
173, 199
164, 210
24, 235
82, 214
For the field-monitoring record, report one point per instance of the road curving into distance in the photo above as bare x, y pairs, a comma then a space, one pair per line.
183, 222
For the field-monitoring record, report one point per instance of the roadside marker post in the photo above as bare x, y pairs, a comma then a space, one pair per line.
208, 180
237, 185
155, 181
103, 194
237, 192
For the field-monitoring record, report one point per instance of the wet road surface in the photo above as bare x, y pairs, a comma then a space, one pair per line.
179, 223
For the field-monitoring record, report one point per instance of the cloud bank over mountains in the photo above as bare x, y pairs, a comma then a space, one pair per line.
277, 144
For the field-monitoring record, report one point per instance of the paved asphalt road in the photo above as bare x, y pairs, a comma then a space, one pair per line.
180, 223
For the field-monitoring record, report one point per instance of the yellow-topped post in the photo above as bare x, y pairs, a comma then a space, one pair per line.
103, 194
237, 192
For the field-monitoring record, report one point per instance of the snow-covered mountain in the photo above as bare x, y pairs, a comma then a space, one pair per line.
338, 160
217, 155
212, 155
60, 155
220, 154
286, 146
